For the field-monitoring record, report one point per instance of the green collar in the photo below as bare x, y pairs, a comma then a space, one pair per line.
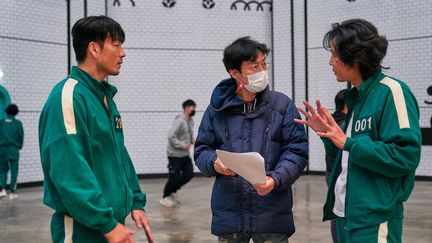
100, 89
368, 83
359, 94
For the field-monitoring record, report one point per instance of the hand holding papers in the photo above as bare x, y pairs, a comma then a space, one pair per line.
248, 165
222, 169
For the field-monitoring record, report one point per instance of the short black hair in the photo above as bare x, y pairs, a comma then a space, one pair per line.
94, 28
12, 109
340, 100
242, 49
187, 103
356, 41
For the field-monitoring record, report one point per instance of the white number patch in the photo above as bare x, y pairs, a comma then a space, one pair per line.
363, 124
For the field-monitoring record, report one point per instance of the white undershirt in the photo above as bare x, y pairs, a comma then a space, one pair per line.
340, 187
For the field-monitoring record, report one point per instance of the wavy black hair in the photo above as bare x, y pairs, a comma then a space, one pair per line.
356, 41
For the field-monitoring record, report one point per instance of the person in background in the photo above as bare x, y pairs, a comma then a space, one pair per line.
11, 141
377, 152
339, 116
89, 178
244, 115
180, 139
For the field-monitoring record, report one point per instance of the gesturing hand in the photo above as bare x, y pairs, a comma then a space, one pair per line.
323, 123
312, 118
334, 132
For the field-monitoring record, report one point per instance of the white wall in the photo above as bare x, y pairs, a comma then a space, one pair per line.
33, 51
173, 54
176, 53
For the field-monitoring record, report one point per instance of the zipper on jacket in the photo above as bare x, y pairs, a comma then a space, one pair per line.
265, 147
118, 154
351, 117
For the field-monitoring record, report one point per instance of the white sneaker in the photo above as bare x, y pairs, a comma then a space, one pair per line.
13, 196
3, 193
173, 197
166, 202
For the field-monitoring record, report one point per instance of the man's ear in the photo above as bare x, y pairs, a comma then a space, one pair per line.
235, 74
93, 49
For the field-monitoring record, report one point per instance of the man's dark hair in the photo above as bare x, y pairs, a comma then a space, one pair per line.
12, 109
97, 29
340, 100
242, 49
187, 103
356, 41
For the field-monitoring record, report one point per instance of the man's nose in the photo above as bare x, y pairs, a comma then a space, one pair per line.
122, 52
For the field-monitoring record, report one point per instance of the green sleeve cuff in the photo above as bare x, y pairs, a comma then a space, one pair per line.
112, 223
349, 143
139, 204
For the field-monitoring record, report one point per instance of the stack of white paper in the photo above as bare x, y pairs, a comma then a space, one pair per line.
248, 165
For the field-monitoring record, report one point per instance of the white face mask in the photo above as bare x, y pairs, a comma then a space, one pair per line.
257, 82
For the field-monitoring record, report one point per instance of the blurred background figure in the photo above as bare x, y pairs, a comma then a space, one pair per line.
11, 141
180, 138
339, 116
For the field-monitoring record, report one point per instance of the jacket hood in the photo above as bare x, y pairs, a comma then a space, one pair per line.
224, 95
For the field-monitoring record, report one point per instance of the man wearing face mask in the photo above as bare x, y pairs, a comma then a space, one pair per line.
245, 116
180, 138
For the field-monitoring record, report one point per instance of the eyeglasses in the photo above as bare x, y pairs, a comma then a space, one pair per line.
258, 67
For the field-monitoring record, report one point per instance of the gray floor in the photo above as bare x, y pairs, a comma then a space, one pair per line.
27, 220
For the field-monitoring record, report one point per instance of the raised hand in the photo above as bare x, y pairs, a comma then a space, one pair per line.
333, 131
313, 119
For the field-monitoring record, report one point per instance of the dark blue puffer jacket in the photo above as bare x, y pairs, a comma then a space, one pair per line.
269, 130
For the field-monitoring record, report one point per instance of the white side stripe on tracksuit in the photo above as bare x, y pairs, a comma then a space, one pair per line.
399, 101
67, 106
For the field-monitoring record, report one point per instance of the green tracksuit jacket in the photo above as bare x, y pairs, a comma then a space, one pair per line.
89, 175
11, 138
384, 151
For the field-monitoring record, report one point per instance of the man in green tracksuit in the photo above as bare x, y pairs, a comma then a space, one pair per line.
90, 180
378, 150
11, 141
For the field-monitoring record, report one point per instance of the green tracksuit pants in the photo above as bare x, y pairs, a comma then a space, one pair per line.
7, 164
389, 232
65, 229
